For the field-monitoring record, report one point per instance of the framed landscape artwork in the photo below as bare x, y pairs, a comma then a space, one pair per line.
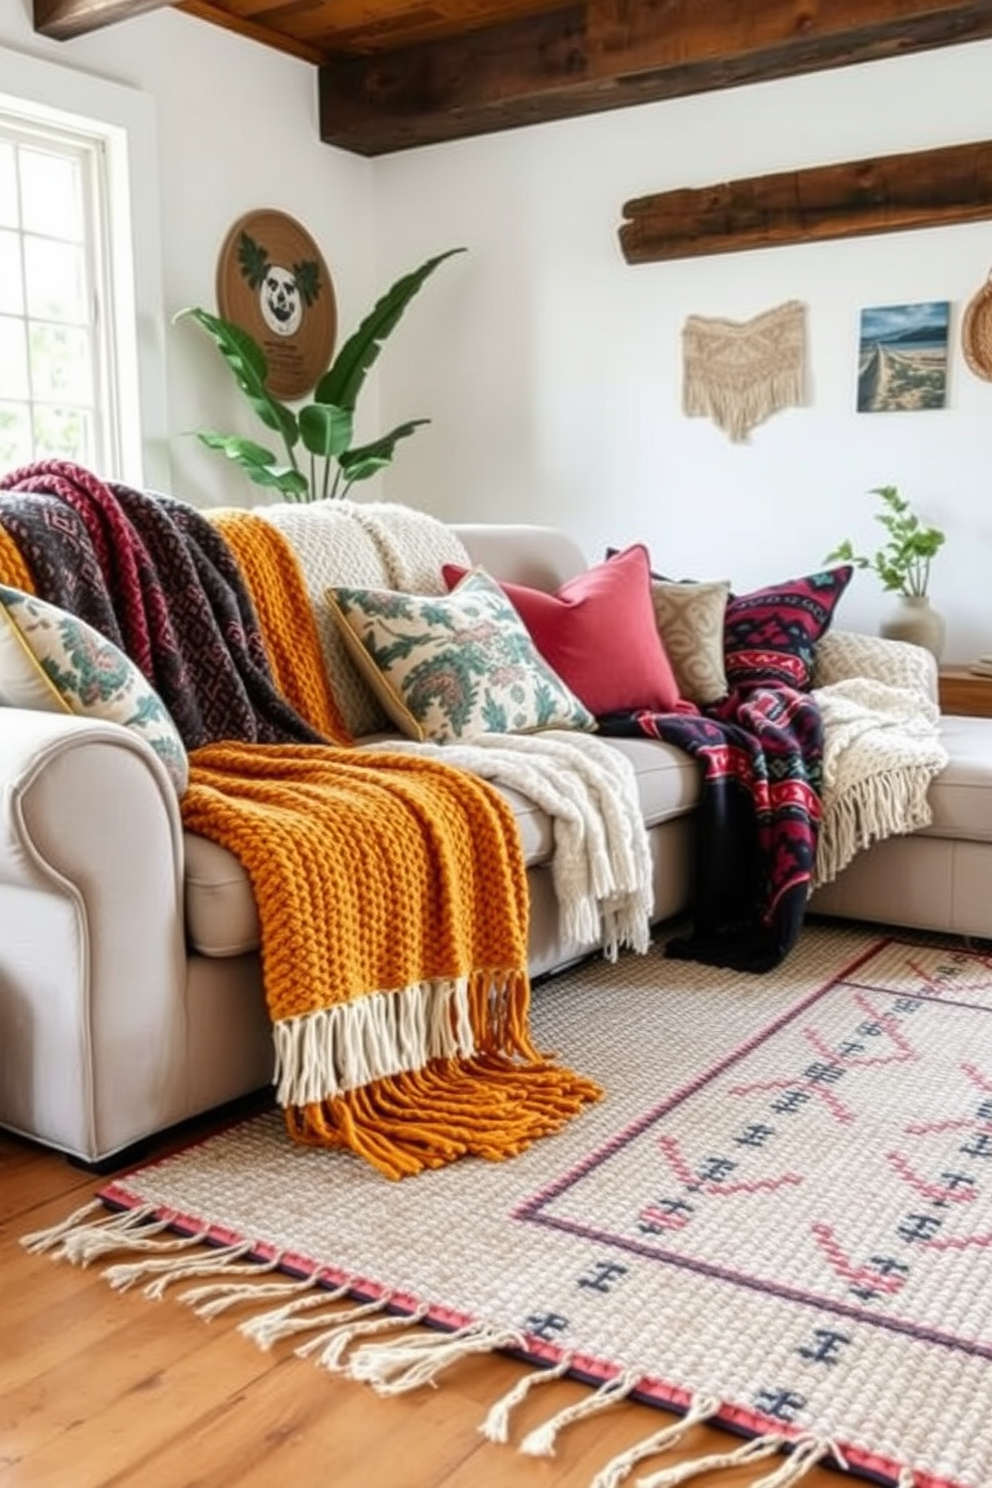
902, 357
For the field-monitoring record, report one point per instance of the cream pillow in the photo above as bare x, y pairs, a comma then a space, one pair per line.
450, 666
689, 618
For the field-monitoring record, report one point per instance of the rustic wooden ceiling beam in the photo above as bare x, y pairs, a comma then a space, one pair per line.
925, 188
585, 58
63, 19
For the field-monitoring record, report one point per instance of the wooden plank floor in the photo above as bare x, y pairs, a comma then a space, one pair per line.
103, 1390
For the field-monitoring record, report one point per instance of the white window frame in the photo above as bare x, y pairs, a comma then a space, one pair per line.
122, 119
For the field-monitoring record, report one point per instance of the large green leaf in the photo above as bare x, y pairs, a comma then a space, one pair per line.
246, 360
325, 429
380, 450
257, 462
342, 382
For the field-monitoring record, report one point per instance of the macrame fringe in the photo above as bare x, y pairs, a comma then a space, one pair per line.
395, 1367
736, 406
619, 1468
541, 1441
496, 1426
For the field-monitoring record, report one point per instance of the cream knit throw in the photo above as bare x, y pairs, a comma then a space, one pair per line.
738, 373
601, 867
380, 545
881, 749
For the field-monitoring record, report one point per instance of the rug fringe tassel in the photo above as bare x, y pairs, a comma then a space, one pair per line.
334, 1343
541, 1441
216, 1297
164, 1272
806, 1452
496, 1426
81, 1243
395, 1367
619, 1468
41, 1240
752, 1451
276, 1323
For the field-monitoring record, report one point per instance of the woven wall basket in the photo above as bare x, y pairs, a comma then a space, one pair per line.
976, 332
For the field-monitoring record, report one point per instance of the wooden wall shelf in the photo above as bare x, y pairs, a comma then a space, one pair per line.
896, 193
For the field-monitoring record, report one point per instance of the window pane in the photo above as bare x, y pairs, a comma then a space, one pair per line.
11, 298
60, 363
15, 435
64, 433
13, 359
55, 280
8, 186
50, 195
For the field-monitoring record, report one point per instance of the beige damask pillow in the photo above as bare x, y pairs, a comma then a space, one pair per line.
690, 617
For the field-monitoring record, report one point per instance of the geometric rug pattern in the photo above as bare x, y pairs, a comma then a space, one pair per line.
783, 1203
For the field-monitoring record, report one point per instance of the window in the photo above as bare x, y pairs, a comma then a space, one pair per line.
56, 363
82, 373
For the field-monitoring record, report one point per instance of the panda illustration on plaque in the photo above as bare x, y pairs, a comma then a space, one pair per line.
285, 293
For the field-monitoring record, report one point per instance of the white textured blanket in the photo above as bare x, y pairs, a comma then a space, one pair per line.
601, 867
881, 749
375, 545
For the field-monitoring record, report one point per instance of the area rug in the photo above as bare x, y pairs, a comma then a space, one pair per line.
779, 1218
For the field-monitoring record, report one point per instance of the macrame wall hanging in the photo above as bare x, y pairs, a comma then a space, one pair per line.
738, 373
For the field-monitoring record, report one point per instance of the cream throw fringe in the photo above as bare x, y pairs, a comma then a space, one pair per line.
601, 867
738, 373
881, 750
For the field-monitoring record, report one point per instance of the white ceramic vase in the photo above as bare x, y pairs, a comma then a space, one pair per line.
915, 619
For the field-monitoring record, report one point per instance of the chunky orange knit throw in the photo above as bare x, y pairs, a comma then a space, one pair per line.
393, 908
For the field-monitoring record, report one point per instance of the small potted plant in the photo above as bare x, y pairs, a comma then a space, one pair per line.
903, 565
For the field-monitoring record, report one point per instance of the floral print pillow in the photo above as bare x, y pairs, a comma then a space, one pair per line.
55, 663
449, 666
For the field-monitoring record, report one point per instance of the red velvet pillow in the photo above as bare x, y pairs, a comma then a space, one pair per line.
599, 634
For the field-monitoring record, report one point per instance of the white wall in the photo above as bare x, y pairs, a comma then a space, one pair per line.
236, 127
552, 369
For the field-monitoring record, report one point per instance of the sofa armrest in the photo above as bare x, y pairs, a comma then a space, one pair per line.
848, 653
92, 954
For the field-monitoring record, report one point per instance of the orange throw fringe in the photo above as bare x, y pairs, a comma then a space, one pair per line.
272, 576
391, 891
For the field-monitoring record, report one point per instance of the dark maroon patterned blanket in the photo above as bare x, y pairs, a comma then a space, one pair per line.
761, 752
152, 575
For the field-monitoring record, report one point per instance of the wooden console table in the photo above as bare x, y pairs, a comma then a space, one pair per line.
962, 691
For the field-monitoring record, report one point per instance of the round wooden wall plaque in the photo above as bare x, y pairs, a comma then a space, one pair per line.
272, 281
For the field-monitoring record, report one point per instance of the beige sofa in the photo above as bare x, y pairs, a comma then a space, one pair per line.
130, 986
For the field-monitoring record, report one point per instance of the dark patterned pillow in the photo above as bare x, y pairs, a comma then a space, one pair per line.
769, 635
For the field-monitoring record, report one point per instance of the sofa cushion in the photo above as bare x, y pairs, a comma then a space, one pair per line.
53, 662
599, 634
769, 636
221, 919
448, 667
961, 795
